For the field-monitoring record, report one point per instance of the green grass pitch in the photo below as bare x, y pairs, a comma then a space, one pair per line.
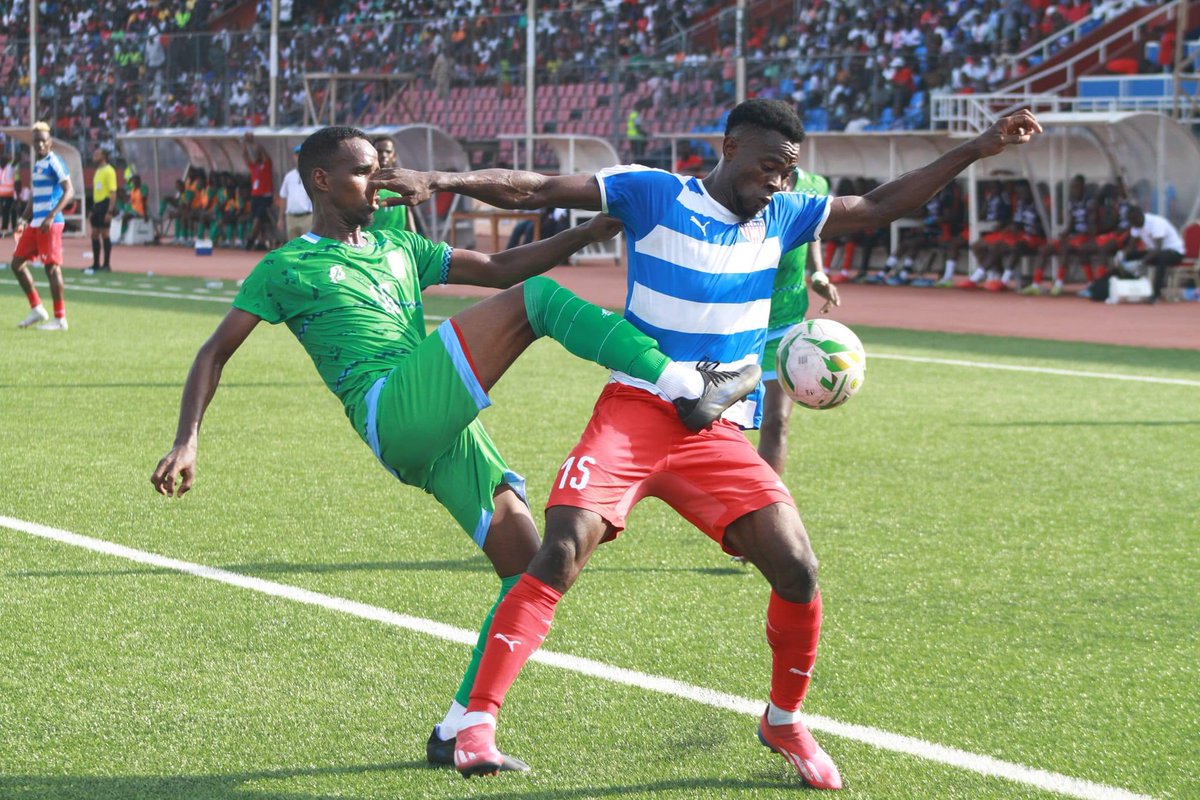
1010, 563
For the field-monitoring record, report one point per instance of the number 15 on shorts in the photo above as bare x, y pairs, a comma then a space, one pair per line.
575, 472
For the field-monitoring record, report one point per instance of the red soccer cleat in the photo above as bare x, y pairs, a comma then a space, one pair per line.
801, 750
995, 285
965, 283
475, 751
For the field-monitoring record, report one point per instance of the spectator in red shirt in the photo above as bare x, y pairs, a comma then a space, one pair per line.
262, 194
689, 161
1075, 10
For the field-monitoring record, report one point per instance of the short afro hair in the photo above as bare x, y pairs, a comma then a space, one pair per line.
771, 115
319, 148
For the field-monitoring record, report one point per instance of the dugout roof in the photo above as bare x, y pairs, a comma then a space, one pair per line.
1158, 157
575, 154
161, 155
74, 161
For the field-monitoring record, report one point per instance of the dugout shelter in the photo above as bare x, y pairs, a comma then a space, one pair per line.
76, 214
1158, 157
161, 155
575, 153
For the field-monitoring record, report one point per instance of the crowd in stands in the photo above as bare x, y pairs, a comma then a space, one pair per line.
848, 64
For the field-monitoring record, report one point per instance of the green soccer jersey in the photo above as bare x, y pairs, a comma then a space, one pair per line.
355, 310
389, 218
789, 297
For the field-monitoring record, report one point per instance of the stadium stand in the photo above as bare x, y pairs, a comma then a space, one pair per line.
847, 65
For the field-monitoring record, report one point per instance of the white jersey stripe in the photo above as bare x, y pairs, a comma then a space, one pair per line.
663, 311
717, 258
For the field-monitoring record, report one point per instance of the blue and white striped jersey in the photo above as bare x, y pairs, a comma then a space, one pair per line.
699, 279
48, 175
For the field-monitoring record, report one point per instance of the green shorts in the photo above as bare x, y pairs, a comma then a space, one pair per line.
774, 337
422, 425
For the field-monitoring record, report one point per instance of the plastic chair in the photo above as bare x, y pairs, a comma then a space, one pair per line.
1190, 266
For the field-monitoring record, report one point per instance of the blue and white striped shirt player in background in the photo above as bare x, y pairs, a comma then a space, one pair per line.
699, 278
39, 233
48, 176
702, 261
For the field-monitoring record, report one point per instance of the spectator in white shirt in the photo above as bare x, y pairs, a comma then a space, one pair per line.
297, 207
1161, 245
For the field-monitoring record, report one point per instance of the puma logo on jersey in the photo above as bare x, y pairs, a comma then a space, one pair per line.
702, 226
512, 643
337, 274
802, 672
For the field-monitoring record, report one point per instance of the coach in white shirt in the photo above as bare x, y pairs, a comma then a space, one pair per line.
297, 208
1162, 245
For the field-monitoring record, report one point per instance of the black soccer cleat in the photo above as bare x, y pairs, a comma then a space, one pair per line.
441, 752
721, 390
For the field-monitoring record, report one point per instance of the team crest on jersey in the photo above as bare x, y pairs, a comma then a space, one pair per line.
755, 230
337, 274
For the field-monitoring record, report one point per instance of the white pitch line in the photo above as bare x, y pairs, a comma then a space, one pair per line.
883, 740
1070, 373
74, 287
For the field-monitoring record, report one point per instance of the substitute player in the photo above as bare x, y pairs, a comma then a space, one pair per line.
39, 232
789, 305
352, 299
702, 260
1077, 240
389, 217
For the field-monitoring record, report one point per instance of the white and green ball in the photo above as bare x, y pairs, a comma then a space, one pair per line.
821, 363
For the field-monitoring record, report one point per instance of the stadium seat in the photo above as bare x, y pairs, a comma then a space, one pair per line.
1190, 266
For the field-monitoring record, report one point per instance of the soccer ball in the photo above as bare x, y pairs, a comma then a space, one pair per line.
820, 363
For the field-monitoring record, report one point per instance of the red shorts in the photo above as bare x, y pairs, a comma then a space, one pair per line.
1031, 241
45, 247
1074, 242
1119, 238
1008, 237
635, 446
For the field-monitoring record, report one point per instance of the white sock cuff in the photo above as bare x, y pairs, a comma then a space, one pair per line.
448, 727
780, 716
477, 718
679, 381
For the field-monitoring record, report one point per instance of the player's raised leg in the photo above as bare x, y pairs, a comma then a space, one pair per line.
774, 540
496, 331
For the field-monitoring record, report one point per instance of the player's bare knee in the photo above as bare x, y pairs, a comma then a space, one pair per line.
569, 541
795, 580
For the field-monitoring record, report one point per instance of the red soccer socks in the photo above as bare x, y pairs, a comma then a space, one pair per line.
520, 625
793, 630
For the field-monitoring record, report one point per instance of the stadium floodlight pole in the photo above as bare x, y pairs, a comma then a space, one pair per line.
740, 51
272, 116
530, 63
33, 20
1181, 20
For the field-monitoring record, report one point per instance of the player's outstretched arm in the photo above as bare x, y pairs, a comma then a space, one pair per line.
503, 188
912, 190
198, 392
510, 267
